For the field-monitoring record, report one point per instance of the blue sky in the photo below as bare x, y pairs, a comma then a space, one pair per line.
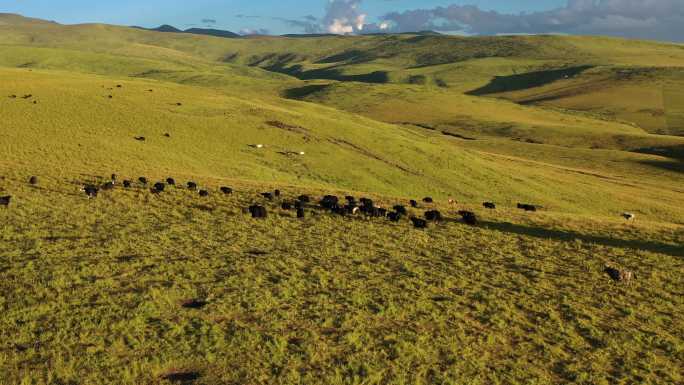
649, 19
182, 13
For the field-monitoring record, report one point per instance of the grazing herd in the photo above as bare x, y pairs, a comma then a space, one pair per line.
348, 206
91, 190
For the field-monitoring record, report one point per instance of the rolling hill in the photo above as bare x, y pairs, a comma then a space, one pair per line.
138, 288
195, 31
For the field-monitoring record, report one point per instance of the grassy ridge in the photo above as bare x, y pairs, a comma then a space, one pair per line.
442, 68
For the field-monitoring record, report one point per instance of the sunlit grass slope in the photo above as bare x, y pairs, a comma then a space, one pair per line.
74, 126
93, 291
439, 70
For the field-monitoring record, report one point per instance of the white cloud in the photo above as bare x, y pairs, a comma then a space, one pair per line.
344, 17
340, 27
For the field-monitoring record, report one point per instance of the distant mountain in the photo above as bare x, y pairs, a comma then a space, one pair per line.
419, 33
303, 35
212, 32
194, 31
167, 28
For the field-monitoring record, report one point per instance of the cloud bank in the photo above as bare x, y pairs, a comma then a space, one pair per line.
650, 19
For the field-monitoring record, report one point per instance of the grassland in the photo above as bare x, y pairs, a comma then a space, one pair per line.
92, 291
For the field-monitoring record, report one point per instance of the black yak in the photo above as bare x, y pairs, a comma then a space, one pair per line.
267, 195
33, 180
428, 200
127, 183
159, 187
468, 217
413, 203
91, 191
226, 190
258, 211
339, 210
400, 209
618, 275
108, 186
203, 193
5, 201
304, 199
419, 223
489, 205
433, 215
142, 180
192, 185
329, 202
527, 207
286, 206
170, 181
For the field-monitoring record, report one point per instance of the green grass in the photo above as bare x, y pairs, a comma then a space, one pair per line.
91, 291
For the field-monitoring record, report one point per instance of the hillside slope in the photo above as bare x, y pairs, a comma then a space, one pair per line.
439, 68
75, 124
135, 287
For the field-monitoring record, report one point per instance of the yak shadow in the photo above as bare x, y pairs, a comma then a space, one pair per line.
567, 236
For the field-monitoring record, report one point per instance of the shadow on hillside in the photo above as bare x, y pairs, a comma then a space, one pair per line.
673, 165
674, 153
561, 235
353, 56
527, 80
285, 63
303, 92
329, 74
